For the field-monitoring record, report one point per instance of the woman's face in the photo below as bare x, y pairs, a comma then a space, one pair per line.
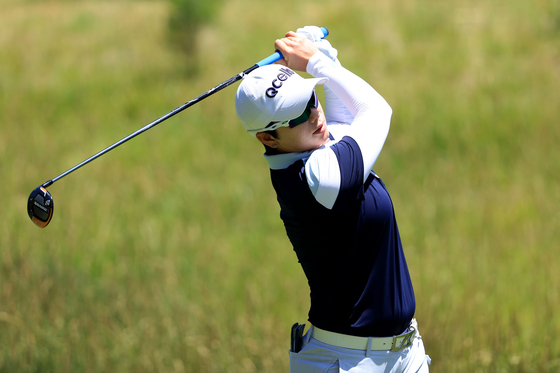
306, 136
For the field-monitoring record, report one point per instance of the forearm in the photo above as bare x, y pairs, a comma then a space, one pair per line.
371, 113
335, 111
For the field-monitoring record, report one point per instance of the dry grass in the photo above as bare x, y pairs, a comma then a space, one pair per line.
168, 255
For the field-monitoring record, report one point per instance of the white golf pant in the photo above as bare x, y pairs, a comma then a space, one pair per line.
319, 357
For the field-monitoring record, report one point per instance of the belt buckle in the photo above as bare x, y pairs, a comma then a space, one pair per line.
400, 342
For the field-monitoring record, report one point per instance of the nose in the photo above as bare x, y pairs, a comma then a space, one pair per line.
314, 115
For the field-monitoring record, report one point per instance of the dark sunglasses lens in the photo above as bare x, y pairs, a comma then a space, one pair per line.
312, 103
301, 119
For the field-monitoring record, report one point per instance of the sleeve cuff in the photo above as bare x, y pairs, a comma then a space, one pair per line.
317, 62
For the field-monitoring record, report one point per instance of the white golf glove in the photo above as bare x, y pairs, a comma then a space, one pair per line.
315, 34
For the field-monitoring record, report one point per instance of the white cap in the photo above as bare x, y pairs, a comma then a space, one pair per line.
272, 93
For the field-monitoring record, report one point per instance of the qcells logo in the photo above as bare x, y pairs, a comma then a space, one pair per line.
277, 83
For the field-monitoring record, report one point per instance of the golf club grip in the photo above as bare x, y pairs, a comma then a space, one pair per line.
277, 56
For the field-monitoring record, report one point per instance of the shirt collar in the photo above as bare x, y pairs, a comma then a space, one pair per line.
282, 161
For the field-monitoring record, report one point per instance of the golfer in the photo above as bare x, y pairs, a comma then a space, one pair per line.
337, 212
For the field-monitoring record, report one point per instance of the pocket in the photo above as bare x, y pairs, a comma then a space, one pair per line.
303, 363
365, 364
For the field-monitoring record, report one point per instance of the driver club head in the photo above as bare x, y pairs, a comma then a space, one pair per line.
40, 206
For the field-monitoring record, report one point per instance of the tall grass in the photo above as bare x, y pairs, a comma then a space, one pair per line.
167, 254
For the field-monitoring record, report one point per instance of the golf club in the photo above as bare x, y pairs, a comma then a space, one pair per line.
40, 204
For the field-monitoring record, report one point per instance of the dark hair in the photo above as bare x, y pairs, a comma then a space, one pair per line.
273, 133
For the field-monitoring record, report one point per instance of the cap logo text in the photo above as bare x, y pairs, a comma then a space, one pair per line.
278, 82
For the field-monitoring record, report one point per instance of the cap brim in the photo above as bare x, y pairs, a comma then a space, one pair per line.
296, 99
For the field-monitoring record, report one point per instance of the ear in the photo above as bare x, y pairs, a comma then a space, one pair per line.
267, 139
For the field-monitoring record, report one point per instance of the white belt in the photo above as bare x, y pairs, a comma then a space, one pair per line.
393, 344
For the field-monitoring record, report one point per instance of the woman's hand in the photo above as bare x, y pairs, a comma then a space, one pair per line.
297, 50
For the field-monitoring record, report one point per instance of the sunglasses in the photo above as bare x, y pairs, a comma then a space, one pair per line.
304, 117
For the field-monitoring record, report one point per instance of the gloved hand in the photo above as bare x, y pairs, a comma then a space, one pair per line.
315, 34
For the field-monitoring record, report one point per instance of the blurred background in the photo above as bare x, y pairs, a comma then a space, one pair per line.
168, 254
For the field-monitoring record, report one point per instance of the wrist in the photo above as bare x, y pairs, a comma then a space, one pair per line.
316, 61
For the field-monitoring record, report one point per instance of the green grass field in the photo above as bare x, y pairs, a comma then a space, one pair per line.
168, 255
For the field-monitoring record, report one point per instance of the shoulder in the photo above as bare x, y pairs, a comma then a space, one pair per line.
322, 172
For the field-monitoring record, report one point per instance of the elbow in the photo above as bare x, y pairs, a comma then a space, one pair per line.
386, 109
389, 114
376, 107
385, 112
377, 103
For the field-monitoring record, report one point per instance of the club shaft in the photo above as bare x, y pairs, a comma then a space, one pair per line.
267, 61
186, 105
